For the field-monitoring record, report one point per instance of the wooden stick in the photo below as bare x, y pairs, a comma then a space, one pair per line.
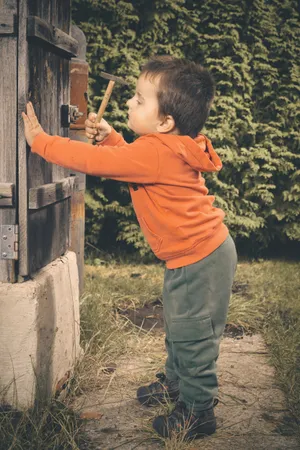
103, 105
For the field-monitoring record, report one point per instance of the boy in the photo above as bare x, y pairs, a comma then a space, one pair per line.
163, 168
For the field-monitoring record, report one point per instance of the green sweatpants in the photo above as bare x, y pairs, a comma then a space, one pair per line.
195, 301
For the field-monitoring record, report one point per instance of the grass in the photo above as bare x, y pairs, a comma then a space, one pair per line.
265, 299
53, 427
277, 286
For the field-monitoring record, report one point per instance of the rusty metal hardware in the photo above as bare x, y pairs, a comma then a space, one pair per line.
79, 72
70, 114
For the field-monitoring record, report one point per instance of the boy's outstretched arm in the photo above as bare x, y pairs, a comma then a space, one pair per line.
134, 163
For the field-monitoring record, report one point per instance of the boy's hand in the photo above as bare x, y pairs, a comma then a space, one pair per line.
98, 131
31, 124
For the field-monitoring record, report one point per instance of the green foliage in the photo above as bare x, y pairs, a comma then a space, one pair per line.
252, 49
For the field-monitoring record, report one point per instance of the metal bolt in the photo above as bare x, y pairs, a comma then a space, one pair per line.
4, 255
4, 238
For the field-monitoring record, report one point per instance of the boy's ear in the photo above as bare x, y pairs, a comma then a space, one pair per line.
166, 125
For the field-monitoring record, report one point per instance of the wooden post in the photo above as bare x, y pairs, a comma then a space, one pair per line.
79, 87
22, 146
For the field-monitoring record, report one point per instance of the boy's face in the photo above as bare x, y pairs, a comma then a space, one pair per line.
143, 108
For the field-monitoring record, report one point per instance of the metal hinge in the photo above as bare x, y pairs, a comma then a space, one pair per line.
9, 242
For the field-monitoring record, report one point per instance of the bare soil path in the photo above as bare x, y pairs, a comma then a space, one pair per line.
251, 413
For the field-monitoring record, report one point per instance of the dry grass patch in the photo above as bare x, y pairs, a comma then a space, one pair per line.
274, 287
126, 286
265, 295
265, 298
52, 427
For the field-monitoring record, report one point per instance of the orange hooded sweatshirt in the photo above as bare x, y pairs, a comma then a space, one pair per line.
169, 196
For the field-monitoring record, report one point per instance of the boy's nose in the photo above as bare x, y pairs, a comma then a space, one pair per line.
128, 102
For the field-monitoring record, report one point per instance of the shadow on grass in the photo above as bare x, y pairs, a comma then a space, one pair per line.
53, 427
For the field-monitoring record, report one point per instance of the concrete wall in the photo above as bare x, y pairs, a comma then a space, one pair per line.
39, 333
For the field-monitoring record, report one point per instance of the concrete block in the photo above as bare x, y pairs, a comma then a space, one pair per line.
39, 333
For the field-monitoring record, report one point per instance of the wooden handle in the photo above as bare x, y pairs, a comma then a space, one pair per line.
103, 104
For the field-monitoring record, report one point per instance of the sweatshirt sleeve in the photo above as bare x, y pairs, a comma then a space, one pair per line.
133, 163
114, 139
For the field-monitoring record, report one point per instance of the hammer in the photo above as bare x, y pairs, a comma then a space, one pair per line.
112, 79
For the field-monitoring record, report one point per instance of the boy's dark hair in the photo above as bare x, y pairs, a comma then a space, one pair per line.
185, 91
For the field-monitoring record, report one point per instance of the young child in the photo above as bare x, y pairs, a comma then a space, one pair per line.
163, 168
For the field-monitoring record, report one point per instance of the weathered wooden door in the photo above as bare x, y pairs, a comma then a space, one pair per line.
8, 135
36, 47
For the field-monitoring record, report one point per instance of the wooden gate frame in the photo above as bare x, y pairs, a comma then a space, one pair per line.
25, 27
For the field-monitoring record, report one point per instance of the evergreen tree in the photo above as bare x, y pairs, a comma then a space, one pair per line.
251, 47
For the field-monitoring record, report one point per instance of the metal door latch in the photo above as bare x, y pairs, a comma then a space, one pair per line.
9, 242
69, 114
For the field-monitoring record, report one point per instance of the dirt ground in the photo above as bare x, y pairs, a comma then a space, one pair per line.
251, 413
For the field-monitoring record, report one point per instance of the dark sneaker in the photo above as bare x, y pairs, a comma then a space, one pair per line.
161, 391
190, 426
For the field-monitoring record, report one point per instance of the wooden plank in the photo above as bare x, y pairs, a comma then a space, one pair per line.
7, 194
51, 35
10, 5
6, 201
43, 94
8, 17
61, 96
42, 9
8, 113
6, 189
77, 231
77, 227
22, 87
42, 84
48, 234
63, 18
51, 193
7, 23
49, 226
79, 86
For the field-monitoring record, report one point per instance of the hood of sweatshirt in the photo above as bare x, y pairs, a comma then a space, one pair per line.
198, 153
